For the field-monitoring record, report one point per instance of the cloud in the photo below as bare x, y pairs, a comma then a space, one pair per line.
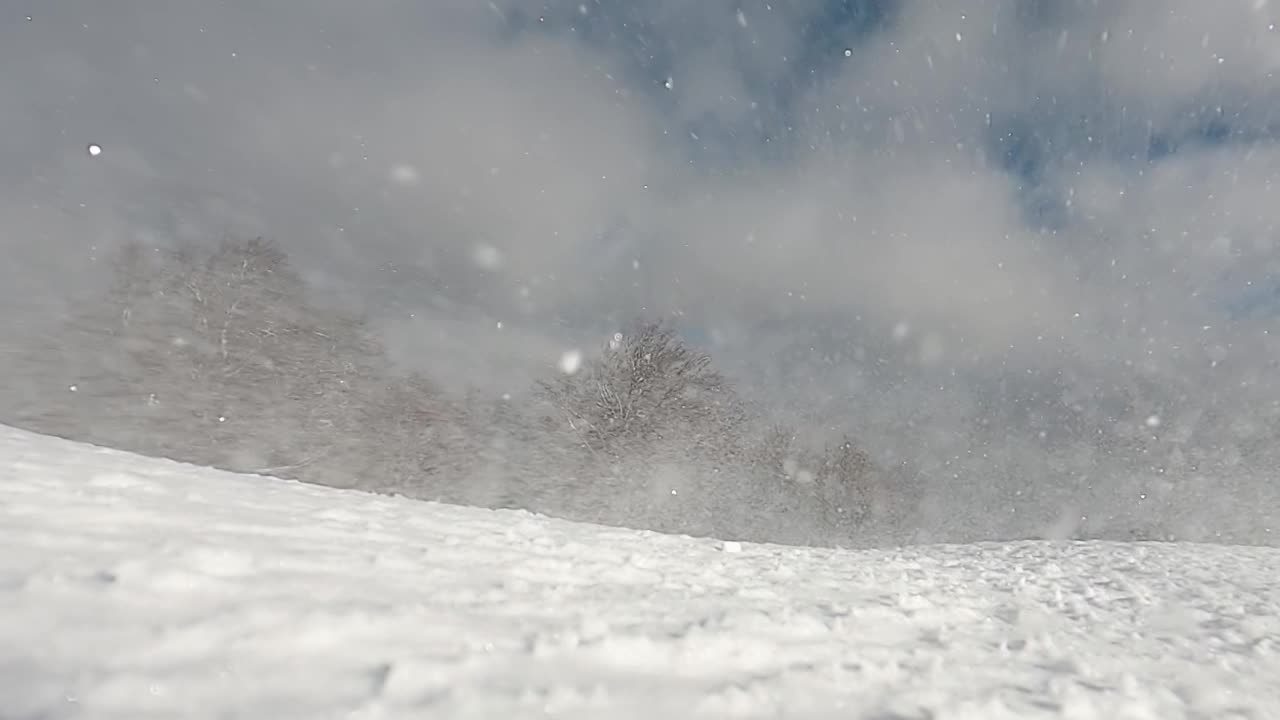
911, 237
1021, 207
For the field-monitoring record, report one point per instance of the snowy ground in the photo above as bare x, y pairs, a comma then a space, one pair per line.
132, 588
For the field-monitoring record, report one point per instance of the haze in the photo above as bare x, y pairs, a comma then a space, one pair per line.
1028, 247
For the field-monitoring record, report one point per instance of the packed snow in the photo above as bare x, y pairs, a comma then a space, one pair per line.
134, 588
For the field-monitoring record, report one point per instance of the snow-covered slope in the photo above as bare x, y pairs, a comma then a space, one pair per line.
133, 588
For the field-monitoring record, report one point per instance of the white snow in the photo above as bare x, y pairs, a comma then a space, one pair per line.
133, 588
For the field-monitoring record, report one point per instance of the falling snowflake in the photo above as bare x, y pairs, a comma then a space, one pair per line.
487, 256
404, 174
570, 362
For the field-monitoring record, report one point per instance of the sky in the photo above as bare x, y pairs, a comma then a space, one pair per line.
970, 231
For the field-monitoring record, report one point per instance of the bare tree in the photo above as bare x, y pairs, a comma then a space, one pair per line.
214, 357
412, 434
647, 386
842, 486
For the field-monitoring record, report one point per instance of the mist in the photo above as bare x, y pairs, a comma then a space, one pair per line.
1026, 250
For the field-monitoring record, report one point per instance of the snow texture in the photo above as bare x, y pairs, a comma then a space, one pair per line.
133, 588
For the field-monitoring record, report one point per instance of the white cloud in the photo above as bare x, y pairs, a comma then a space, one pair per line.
877, 200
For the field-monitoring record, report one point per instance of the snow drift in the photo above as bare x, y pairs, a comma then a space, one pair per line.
135, 588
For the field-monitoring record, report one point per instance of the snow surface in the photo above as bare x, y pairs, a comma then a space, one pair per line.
134, 588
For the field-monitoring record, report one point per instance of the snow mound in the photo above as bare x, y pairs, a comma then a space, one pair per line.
134, 588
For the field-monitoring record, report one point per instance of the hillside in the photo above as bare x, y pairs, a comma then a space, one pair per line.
135, 588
